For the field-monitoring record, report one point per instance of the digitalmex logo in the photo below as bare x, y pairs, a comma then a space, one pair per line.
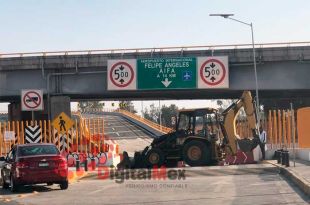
156, 173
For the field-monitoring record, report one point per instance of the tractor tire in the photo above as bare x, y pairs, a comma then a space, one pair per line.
13, 186
64, 185
154, 157
196, 153
4, 184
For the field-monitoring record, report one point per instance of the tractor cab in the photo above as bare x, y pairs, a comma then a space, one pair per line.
202, 122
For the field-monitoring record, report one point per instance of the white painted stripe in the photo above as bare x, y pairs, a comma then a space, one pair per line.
28, 133
37, 140
32, 128
38, 133
124, 126
124, 131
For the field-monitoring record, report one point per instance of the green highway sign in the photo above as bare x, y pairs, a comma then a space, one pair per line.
203, 72
166, 73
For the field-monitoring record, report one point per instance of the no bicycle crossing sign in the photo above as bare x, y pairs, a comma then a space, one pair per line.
168, 73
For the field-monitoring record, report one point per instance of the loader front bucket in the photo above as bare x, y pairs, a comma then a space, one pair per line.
126, 163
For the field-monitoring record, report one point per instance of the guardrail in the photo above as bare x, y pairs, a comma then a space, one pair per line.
152, 50
145, 121
97, 110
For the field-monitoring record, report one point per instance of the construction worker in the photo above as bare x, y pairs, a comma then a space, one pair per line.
262, 139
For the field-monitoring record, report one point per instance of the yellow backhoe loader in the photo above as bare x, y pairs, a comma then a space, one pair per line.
202, 137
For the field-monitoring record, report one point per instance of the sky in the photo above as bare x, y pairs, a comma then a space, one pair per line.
53, 25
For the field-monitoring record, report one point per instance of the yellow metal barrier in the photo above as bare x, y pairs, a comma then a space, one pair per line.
303, 117
86, 134
278, 126
145, 121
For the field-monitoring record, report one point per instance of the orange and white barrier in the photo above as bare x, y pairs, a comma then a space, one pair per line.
113, 157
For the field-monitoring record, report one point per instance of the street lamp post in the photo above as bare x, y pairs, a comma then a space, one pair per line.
228, 16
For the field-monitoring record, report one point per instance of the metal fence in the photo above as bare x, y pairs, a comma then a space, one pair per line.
86, 135
280, 126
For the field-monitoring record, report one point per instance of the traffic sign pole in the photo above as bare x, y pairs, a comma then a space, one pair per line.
32, 117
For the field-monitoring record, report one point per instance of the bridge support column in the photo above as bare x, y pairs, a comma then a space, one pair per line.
15, 113
58, 105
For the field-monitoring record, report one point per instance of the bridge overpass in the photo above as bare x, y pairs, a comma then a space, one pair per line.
283, 70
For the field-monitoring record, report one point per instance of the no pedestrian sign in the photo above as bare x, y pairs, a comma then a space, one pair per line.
32, 100
122, 75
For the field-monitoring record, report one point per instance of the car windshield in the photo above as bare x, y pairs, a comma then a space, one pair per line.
38, 150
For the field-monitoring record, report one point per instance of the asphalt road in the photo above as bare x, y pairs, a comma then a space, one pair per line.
129, 136
197, 188
206, 185
118, 127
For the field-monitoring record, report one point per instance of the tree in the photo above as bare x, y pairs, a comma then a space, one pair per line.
167, 113
152, 114
223, 104
127, 105
89, 105
146, 114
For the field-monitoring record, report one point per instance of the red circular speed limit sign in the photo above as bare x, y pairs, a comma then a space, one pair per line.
32, 100
212, 72
121, 74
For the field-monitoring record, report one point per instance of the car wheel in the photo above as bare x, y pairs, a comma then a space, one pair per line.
64, 185
155, 157
4, 184
13, 186
196, 153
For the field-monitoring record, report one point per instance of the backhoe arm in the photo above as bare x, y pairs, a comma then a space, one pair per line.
229, 124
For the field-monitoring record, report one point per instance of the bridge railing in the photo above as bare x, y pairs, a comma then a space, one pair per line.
152, 50
97, 110
145, 121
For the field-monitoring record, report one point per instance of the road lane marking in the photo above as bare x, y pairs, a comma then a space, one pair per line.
123, 131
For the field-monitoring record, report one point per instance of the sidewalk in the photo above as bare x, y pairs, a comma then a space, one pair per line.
300, 174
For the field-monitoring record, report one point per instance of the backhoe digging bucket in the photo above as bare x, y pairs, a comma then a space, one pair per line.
247, 145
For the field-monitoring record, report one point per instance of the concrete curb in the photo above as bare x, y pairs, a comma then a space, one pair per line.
301, 182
